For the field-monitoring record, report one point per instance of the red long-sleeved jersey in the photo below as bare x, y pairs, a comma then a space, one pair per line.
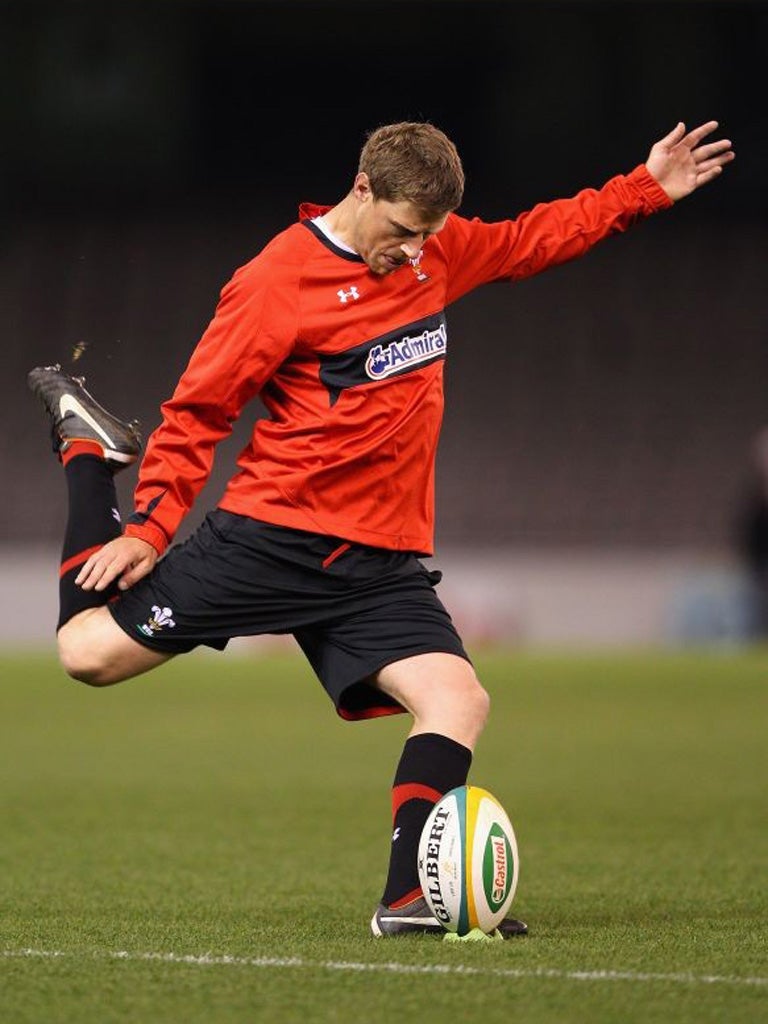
349, 366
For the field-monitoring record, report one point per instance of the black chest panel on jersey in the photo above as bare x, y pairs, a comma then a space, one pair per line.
390, 355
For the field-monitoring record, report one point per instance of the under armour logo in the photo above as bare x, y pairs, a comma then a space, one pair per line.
351, 294
116, 515
396, 834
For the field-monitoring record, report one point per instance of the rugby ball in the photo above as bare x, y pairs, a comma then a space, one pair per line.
468, 861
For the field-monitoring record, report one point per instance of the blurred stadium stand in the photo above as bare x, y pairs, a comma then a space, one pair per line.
598, 417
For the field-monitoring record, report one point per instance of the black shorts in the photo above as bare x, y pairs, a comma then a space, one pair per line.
353, 609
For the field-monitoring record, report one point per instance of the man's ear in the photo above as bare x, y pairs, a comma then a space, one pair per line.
361, 188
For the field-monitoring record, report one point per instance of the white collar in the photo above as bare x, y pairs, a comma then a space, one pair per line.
320, 222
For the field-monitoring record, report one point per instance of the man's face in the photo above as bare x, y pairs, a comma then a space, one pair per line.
388, 234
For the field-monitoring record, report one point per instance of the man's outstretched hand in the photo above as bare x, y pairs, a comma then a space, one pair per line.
681, 164
126, 559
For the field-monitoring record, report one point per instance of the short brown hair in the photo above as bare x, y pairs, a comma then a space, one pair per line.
413, 161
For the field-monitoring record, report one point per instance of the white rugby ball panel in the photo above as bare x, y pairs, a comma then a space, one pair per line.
492, 859
441, 861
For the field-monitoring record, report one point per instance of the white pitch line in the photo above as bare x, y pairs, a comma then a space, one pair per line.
225, 960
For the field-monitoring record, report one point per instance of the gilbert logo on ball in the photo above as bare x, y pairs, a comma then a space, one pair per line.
468, 861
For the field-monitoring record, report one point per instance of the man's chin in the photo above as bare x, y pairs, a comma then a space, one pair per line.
387, 264
380, 269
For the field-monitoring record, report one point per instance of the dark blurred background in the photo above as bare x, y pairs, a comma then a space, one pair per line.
148, 149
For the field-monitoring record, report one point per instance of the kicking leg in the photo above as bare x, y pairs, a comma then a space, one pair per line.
92, 445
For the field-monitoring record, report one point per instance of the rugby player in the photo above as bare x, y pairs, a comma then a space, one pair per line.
338, 324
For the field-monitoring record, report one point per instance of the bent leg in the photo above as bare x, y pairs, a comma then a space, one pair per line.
95, 650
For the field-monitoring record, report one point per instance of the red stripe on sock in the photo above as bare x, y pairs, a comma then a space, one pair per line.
75, 560
412, 791
75, 448
409, 897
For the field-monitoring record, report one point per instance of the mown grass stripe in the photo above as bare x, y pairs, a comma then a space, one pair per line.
226, 960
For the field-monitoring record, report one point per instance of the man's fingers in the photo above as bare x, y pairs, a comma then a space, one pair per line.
694, 137
99, 571
674, 136
134, 574
705, 176
705, 166
126, 559
704, 153
90, 572
101, 575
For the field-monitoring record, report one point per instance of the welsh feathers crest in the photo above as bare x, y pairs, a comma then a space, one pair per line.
159, 619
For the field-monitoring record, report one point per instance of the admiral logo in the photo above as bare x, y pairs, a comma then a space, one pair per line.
409, 351
500, 868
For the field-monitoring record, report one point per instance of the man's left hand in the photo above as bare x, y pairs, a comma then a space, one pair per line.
681, 164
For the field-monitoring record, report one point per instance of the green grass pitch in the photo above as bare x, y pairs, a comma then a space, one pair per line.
206, 844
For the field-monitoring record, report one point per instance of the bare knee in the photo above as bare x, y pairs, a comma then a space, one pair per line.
460, 710
481, 706
94, 650
80, 659
473, 705
442, 693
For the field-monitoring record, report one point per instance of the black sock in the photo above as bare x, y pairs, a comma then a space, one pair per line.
430, 765
93, 519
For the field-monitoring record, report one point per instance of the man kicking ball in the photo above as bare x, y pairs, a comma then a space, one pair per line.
339, 325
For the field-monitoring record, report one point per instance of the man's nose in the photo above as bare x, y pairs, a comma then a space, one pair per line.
413, 248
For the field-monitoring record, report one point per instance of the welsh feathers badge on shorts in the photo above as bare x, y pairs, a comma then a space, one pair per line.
159, 619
